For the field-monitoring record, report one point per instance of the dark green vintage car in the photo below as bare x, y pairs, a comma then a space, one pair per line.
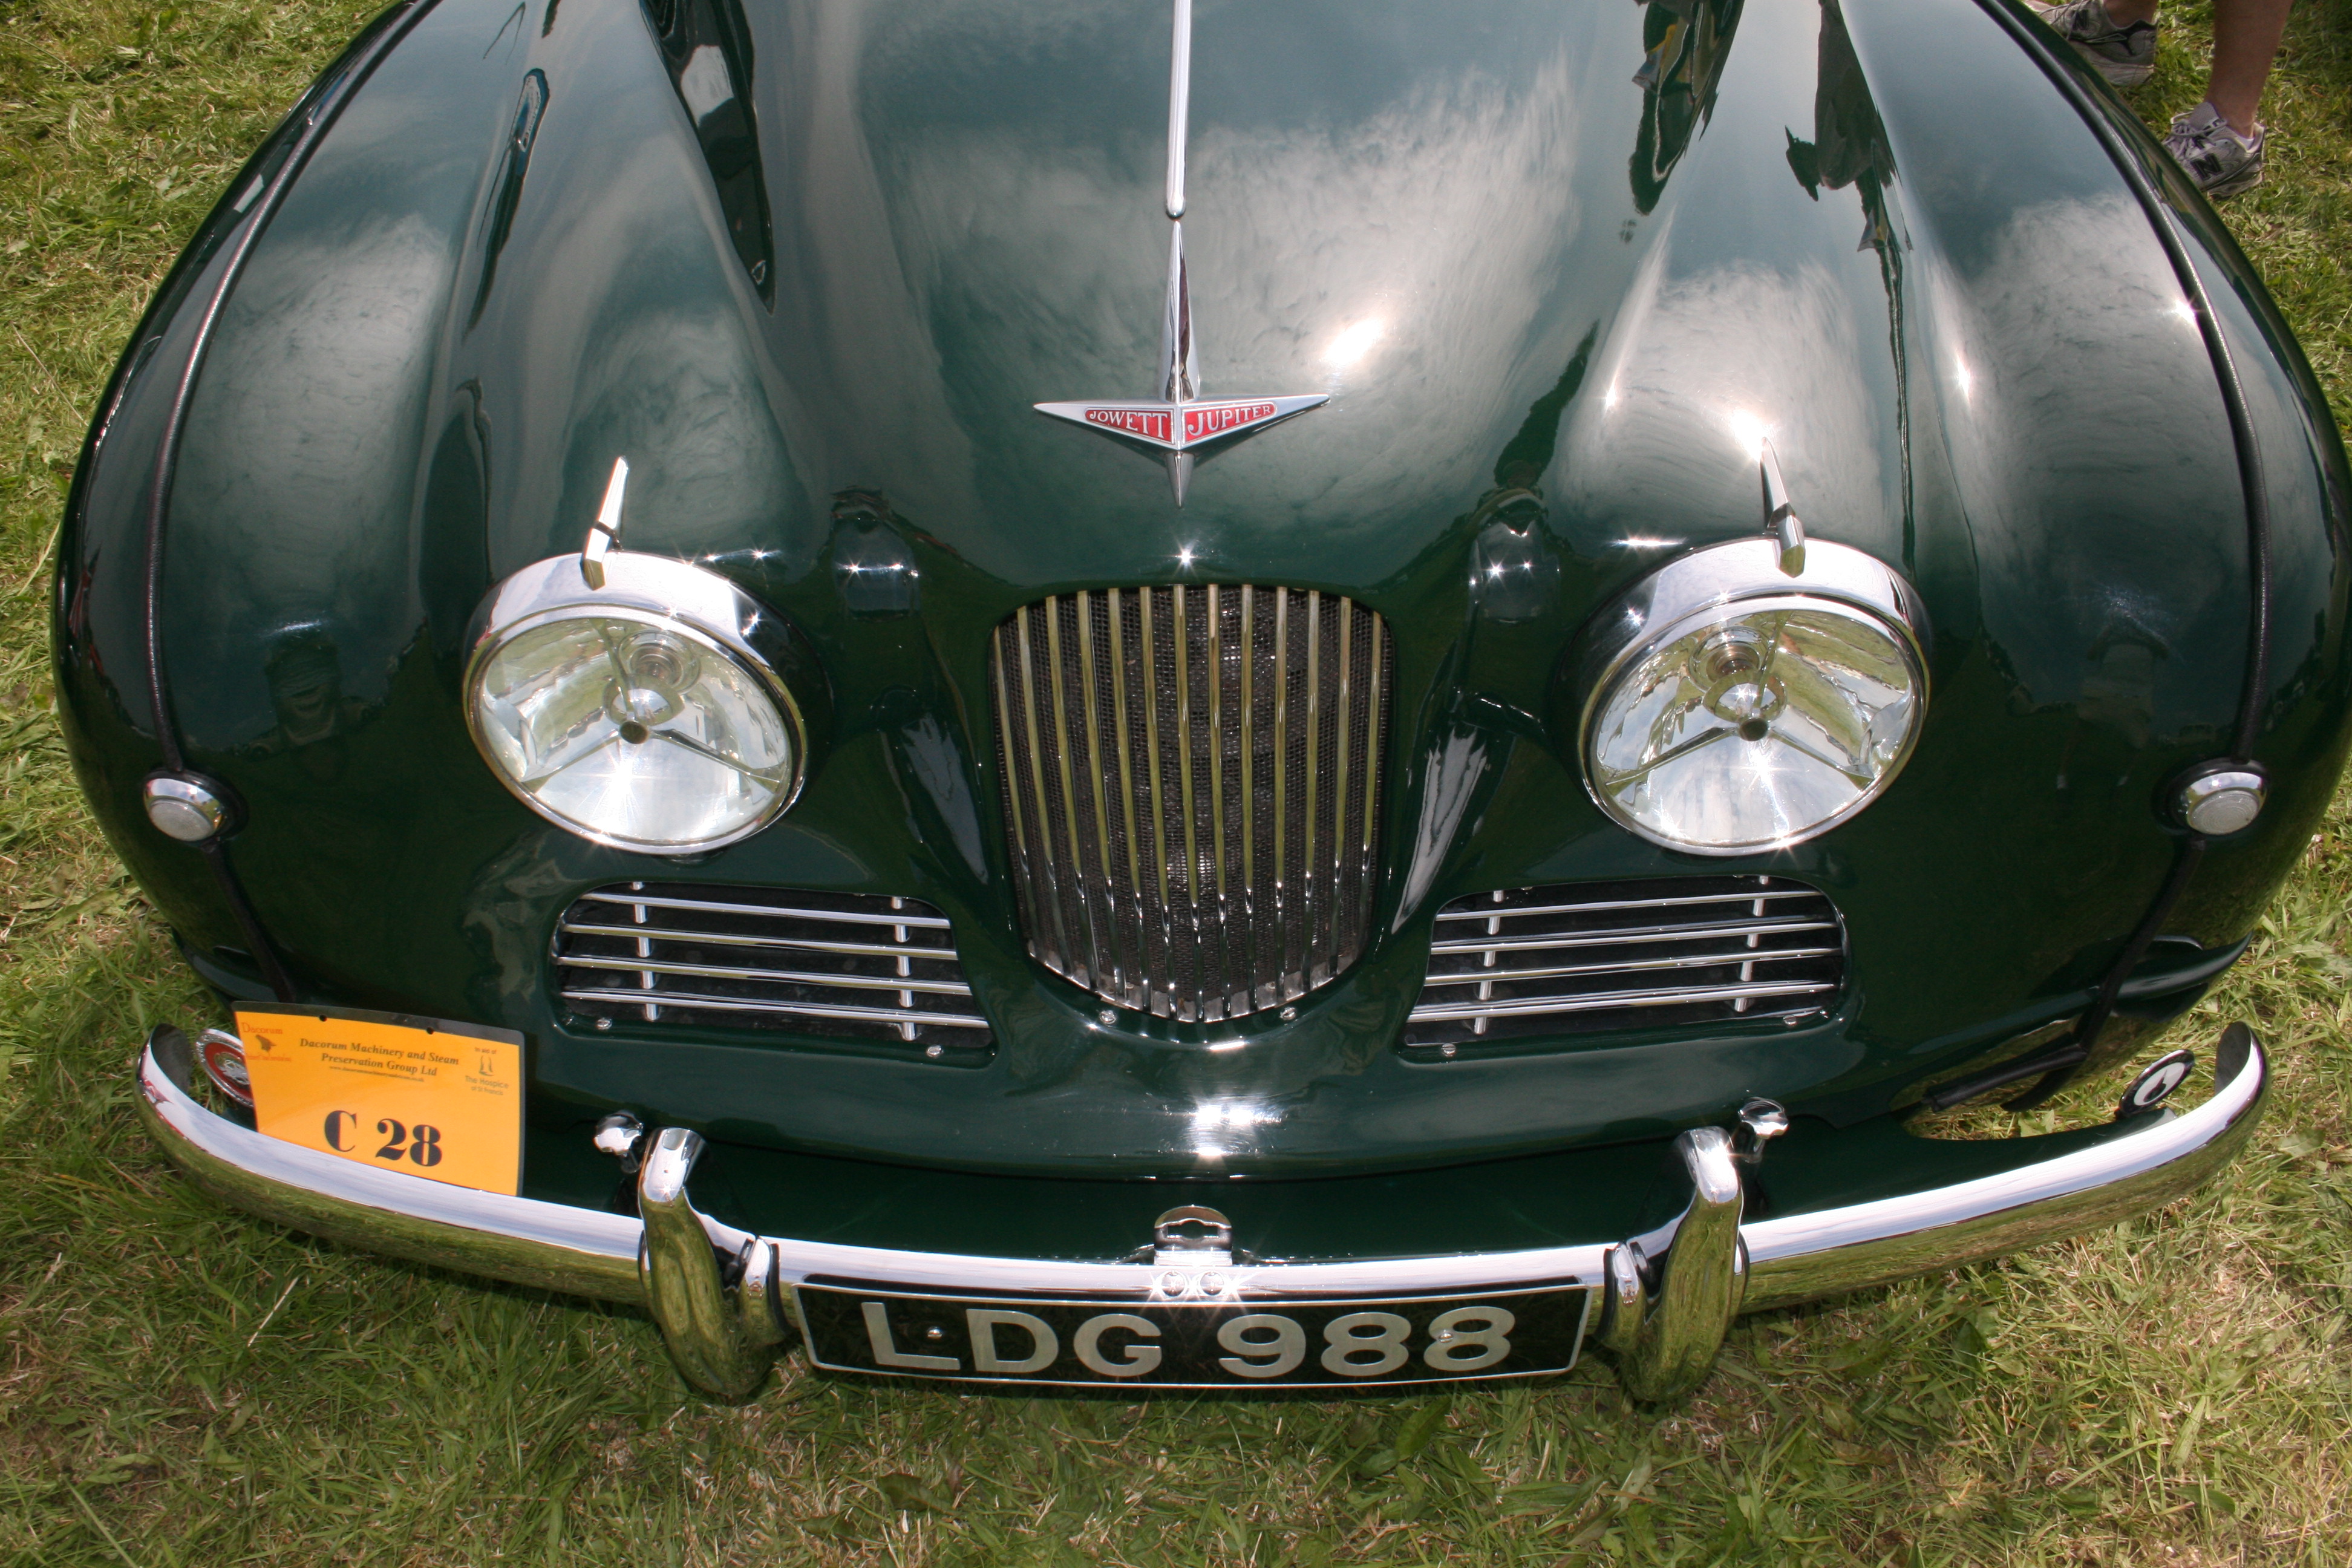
1343, 693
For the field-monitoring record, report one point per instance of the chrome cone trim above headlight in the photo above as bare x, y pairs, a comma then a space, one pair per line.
1741, 576
660, 593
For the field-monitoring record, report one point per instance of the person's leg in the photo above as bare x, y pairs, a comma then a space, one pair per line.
2246, 35
2219, 141
2117, 37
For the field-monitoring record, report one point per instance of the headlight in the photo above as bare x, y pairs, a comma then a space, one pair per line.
652, 713
1733, 708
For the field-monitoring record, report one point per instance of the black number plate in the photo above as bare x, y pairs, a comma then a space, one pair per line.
1196, 1344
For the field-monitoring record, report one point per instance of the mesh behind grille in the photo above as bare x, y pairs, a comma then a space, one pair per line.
1192, 787
1578, 957
840, 965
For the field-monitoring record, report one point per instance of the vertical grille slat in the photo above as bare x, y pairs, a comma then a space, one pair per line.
1191, 781
1311, 775
852, 966
1123, 751
1341, 741
1374, 723
1093, 726
1215, 664
1147, 658
1180, 640
1283, 888
1084, 889
1575, 958
1224, 831
1045, 890
1247, 652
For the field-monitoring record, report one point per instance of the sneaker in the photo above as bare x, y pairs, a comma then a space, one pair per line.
2124, 56
2222, 162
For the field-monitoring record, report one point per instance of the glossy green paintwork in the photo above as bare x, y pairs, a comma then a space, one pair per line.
1606, 246
1565, 1198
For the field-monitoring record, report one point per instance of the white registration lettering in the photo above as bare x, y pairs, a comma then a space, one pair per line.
1353, 1334
984, 1322
1260, 1357
1453, 1348
887, 1351
1140, 1359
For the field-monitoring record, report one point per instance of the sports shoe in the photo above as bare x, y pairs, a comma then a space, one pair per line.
2222, 162
2124, 56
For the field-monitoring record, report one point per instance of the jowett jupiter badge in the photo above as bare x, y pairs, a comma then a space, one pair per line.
1179, 420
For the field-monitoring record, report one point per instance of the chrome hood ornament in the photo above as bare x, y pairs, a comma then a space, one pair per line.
1178, 420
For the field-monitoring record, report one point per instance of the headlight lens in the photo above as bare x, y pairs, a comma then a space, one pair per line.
1751, 724
643, 718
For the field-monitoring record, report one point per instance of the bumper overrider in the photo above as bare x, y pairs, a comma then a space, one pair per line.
724, 1298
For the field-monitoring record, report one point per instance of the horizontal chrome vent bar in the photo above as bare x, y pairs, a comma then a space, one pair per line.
776, 976
774, 912
1661, 997
1662, 953
1711, 930
834, 966
690, 1000
734, 939
1694, 961
1472, 909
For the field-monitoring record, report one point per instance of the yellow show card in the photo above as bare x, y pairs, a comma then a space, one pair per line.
414, 1095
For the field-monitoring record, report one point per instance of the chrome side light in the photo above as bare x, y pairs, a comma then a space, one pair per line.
1739, 700
661, 710
2220, 799
184, 807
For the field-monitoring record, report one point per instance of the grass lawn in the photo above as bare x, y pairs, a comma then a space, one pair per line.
179, 1385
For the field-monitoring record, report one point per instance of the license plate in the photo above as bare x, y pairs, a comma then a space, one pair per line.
1521, 1332
419, 1096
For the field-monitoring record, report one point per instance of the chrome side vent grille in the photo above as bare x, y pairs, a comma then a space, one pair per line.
852, 966
1576, 958
1193, 788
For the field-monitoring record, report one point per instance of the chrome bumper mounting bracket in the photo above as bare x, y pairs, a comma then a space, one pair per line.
711, 1338
1666, 1316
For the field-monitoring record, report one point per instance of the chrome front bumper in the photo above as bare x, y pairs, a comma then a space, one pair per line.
720, 1295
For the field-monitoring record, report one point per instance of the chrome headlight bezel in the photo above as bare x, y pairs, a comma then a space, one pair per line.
1719, 580
664, 593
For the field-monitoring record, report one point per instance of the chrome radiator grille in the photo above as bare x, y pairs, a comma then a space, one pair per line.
1579, 957
840, 965
1191, 789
